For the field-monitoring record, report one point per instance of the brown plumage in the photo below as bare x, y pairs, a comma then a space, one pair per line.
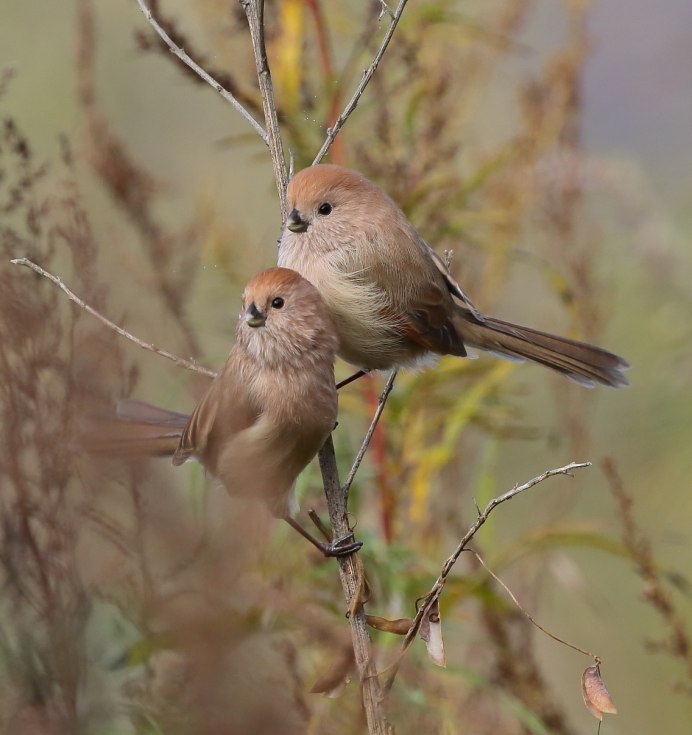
392, 298
268, 411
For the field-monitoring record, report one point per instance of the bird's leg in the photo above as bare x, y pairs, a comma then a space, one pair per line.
362, 593
320, 525
351, 378
337, 547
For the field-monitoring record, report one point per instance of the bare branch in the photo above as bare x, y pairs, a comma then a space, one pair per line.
367, 76
371, 430
352, 581
180, 361
147, 42
436, 590
254, 10
201, 73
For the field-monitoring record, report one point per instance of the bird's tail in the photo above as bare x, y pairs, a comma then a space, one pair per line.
582, 362
137, 429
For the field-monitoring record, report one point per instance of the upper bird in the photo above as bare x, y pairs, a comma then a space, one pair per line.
267, 412
391, 297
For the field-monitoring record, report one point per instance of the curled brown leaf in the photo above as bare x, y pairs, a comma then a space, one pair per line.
400, 626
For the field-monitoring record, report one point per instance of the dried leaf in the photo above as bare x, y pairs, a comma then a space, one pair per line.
431, 632
400, 626
596, 697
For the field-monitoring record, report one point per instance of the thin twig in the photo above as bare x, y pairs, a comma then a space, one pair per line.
433, 596
320, 526
371, 430
254, 10
527, 614
365, 80
181, 361
201, 73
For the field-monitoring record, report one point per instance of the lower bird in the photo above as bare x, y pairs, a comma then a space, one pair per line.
267, 412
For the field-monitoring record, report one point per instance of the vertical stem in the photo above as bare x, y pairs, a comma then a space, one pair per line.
351, 574
350, 567
254, 10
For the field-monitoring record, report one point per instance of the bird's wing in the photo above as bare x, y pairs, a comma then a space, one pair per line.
224, 410
423, 309
452, 285
427, 322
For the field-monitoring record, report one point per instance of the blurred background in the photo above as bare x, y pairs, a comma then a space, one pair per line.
547, 144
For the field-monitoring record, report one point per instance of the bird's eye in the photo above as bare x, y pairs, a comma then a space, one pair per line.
324, 209
277, 303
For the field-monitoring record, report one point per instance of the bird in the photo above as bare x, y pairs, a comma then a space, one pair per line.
267, 412
393, 300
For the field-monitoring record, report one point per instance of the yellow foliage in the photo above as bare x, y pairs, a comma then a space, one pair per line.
287, 48
428, 459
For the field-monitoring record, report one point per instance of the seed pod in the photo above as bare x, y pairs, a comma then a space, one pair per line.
596, 697
431, 632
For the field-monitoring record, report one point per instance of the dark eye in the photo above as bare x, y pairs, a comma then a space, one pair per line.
324, 209
277, 303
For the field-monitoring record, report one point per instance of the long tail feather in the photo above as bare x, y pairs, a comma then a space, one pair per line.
582, 362
137, 430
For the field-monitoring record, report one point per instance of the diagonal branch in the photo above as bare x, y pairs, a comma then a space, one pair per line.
365, 80
201, 72
247, 98
434, 595
181, 361
371, 430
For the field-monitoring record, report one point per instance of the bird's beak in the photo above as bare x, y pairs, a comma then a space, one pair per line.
295, 222
254, 317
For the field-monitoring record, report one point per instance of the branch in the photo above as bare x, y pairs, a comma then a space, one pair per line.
201, 73
254, 10
148, 43
371, 430
180, 361
434, 595
367, 76
352, 581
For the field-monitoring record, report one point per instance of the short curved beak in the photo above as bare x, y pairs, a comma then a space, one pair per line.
254, 317
295, 222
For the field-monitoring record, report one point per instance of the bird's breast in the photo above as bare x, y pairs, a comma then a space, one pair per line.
366, 323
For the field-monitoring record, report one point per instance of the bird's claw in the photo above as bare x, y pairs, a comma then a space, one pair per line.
343, 546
